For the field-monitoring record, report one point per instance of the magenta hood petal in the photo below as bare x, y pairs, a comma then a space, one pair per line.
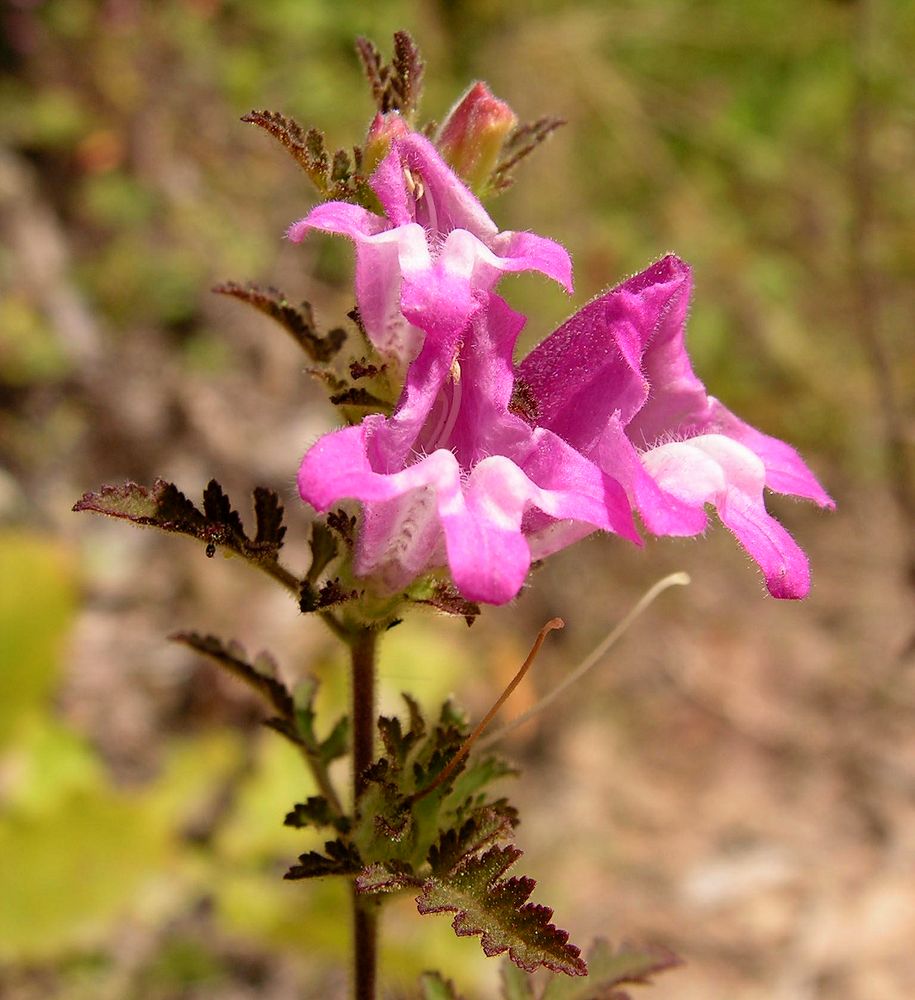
423, 263
615, 382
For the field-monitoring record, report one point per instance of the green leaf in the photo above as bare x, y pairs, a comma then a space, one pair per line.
433, 986
297, 322
385, 878
516, 984
496, 908
609, 968
37, 604
323, 545
336, 744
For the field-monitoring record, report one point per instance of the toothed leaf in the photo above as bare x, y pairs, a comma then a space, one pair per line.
231, 657
339, 858
164, 506
445, 597
268, 512
496, 908
523, 140
323, 545
298, 322
315, 812
396, 86
379, 878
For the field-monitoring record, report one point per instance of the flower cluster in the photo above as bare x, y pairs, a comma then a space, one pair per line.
485, 464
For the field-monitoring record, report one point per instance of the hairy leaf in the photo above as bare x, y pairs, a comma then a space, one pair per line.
516, 984
524, 139
386, 877
316, 812
496, 908
323, 545
164, 506
306, 147
445, 597
268, 513
484, 826
433, 986
298, 322
232, 657
396, 86
609, 968
328, 595
340, 858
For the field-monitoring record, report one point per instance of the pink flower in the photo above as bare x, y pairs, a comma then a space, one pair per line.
433, 256
616, 384
456, 478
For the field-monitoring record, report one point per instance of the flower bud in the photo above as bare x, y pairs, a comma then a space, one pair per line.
385, 128
472, 136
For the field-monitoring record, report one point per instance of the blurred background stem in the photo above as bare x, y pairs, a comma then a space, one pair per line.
864, 179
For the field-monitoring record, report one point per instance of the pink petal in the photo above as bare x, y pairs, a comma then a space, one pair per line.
786, 471
591, 367
445, 202
715, 469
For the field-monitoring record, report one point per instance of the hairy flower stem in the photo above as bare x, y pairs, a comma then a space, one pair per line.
365, 914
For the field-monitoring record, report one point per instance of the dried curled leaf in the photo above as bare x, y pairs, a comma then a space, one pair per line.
497, 909
334, 176
396, 86
446, 598
522, 141
340, 858
297, 321
231, 657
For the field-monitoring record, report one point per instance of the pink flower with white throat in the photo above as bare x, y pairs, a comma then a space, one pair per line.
615, 382
456, 479
434, 254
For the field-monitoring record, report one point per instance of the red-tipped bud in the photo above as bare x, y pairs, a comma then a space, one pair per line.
385, 128
472, 136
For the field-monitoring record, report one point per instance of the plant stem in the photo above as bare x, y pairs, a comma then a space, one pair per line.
365, 914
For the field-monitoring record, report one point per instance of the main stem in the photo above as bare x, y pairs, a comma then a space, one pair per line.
365, 914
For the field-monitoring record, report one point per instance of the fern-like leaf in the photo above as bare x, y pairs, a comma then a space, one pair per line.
298, 322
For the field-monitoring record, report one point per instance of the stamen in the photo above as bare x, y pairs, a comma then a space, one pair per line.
647, 599
553, 623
